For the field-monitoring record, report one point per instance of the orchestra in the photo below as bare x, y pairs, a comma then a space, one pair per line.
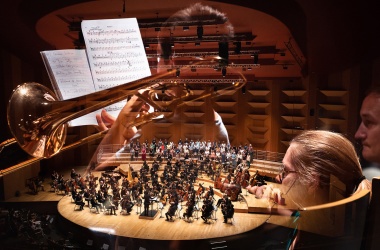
167, 182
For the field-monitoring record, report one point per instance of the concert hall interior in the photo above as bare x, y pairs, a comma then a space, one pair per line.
286, 67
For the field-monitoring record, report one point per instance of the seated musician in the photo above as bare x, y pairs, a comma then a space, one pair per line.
190, 209
210, 193
222, 201
87, 196
207, 209
173, 207
79, 200
110, 206
126, 204
95, 203
227, 210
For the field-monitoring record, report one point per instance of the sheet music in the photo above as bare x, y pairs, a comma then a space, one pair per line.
115, 51
71, 77
69, 70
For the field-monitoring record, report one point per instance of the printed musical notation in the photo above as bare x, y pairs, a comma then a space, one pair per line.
115, 48
98, 31
118, 55
114, 51
112, 40
69, 72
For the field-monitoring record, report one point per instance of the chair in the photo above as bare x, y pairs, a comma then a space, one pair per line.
230, 220
93, 209
213, 214
77, 206
196, 211
107, 210
178, 211
372, 229
334, 225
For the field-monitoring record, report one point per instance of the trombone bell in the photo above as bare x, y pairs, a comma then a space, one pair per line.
29, 120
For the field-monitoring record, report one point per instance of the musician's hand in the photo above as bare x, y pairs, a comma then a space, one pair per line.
105, 120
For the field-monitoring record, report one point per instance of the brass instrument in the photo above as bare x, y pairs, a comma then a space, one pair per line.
38, 120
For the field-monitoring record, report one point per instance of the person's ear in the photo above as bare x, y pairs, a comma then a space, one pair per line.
314, 185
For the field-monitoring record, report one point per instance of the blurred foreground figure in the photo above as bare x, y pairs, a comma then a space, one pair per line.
315, 160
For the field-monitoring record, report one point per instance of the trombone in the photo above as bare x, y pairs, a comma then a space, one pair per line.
38, 120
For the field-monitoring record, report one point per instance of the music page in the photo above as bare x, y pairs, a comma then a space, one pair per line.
71, 77
115, 51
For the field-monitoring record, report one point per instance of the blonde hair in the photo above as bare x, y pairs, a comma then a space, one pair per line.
318, 154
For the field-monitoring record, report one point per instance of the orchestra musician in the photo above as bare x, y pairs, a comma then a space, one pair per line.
79, 200
126, 204
173, 206
95, 203
207, 209
209, 193
222, 200
227, 209
110, 206
189, 209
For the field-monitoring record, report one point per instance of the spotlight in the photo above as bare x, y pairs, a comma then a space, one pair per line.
224, 71
215, 88
185, 28
177, 72
197, 43
172, 45
146, 45
243, 90
200, 31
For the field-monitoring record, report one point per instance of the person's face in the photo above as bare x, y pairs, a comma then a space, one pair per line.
289, 174
369, 130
